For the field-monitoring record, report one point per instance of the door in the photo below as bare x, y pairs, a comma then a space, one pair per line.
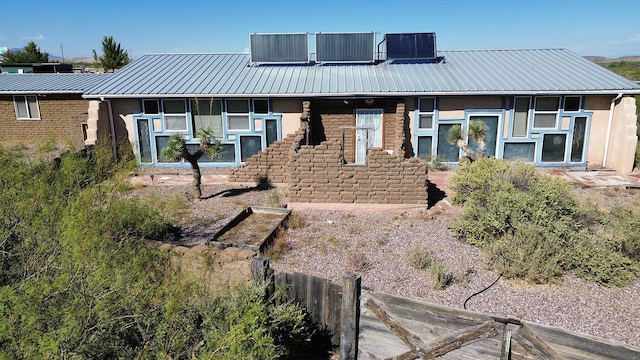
368, 132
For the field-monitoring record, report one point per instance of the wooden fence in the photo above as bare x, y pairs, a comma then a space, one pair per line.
392, 327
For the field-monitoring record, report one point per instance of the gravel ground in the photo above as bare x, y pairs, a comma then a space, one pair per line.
377, 244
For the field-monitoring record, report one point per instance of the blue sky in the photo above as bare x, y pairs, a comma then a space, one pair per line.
587, 27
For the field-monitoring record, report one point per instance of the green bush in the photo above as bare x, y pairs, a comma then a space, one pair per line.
440, 276
420, 257
532, 226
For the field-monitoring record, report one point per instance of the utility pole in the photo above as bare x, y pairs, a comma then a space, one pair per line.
62, 51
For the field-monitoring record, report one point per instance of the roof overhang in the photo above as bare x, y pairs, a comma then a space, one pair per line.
365, 95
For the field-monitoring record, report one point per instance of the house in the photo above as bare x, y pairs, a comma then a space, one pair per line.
35, 107
38, 68
352, 122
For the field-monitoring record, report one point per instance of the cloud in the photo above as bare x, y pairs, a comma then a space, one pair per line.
37, 37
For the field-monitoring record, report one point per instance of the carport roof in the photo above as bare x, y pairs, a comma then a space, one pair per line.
48, 83
468, 72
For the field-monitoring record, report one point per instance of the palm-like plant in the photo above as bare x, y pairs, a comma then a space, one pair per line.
177, 149
477, 132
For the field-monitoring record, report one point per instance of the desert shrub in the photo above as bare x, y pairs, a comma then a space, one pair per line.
439, 275
532, 226
420, 257
358, 262
625, 236
280, 246
296, 221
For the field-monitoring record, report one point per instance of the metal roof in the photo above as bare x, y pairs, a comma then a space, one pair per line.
48, 83
472, 72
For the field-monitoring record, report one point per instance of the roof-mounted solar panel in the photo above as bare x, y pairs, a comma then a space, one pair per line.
345, 47
279, 48
411, 46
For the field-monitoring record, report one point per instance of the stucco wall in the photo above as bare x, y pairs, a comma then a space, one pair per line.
599, 107
622, 146
61, 117
291, 109
453, 107
123, 110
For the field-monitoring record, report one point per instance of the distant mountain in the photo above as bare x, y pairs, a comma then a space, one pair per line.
604, 59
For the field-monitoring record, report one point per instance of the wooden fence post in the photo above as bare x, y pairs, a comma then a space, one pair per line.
350, 318
263, 275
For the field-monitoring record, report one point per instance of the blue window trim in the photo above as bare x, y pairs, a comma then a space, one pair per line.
234, 134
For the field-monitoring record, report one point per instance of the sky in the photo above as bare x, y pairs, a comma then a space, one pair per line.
73, 29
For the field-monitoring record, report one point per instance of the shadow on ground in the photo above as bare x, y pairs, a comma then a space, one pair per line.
435, 195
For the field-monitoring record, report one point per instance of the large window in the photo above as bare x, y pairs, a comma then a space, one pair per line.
175, 115
238, 115
572, 103
546, 112
521, 117
426, 111
26, 107
207, 114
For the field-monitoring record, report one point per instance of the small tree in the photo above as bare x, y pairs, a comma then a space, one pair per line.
177, 149
477, 132
30, 54
113, 55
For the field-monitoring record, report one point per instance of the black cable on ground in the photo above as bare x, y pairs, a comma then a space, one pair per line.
480, 292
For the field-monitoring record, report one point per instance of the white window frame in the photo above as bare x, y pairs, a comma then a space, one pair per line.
564, 103
166, 116
234, 115
546, 112
26, 105
432, 113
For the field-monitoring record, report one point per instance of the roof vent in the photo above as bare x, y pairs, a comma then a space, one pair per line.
279, 48
411, 46
345, 47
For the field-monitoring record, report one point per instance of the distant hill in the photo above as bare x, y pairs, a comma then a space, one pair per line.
627, 66
604, 59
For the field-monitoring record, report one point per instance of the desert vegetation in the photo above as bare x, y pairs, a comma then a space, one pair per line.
533, 227
81, 275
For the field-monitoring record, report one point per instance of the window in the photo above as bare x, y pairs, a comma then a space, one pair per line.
26, 107
426, 110
519, 151
238, 115
424, 147
150, 106
207, 114
249, 146
572, 103
161, 143
261, 106
577, 143
521, 117
553, 147
175, 115
546, 112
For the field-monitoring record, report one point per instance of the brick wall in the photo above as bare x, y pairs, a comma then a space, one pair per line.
318, 175
60, 119
271, 163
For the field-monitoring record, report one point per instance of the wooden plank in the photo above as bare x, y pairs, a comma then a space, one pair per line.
461, 338
534, 345
505, 353
583, 346
412, 341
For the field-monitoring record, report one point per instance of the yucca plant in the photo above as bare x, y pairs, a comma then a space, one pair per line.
477, 132
177, 149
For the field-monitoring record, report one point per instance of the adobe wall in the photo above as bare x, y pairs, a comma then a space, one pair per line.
319, 175
622, 144
61, 117
272, 163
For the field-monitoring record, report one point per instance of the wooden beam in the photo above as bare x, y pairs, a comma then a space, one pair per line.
458, 339
411, 340
505, 353
534, 345
350, 319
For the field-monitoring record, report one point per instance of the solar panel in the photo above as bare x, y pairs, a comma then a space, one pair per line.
279, 48
345, 47
411, 46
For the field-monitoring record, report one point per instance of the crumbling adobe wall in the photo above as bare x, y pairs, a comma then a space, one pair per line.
319, 175
271, 163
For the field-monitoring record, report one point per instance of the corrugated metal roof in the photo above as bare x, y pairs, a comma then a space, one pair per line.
48, 83
462, 72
